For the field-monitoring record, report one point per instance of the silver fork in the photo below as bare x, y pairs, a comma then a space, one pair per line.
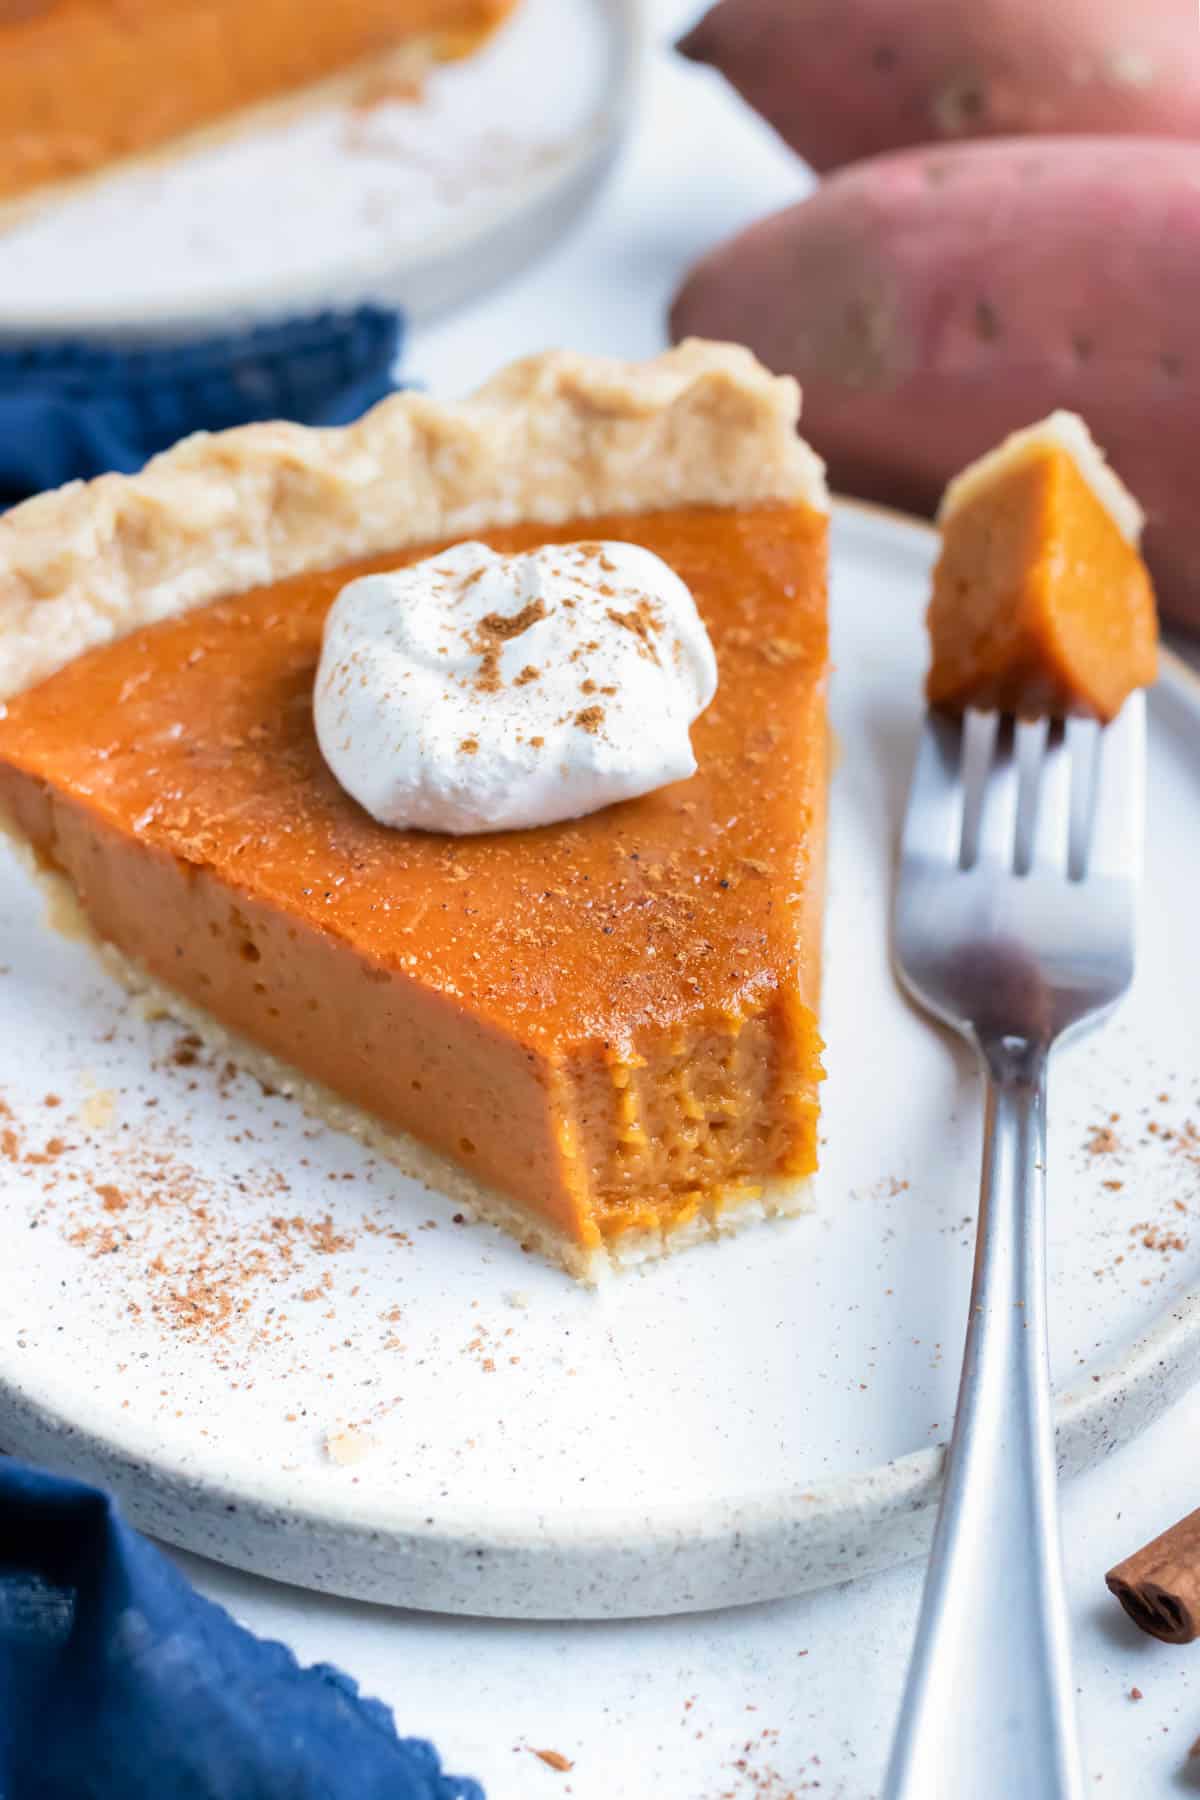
1014, 923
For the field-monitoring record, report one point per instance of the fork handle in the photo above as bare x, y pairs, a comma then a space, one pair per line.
988, 1708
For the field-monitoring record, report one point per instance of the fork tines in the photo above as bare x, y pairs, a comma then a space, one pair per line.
1019, 796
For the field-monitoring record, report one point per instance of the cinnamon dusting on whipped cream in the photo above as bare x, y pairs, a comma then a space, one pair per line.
448, 693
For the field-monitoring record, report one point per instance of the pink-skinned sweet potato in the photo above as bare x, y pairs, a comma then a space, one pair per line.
932, 301
844, 79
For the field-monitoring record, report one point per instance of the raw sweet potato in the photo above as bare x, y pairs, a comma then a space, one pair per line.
843, 79
932, 301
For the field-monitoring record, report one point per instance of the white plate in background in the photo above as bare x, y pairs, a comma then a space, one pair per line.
419, 204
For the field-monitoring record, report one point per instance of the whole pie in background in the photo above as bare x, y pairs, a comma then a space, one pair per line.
600, 1034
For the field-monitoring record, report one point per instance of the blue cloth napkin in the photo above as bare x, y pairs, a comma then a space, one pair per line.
78, 409
119, 1682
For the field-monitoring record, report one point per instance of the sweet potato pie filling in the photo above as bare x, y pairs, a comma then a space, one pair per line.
611, 1021
1040, 603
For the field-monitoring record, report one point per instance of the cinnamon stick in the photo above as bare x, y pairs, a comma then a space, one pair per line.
1159, 1585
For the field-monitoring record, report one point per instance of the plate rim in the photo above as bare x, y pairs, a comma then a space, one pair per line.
591, 1564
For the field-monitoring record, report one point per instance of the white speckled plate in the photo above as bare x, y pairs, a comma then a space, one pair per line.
417, 202
280, 1353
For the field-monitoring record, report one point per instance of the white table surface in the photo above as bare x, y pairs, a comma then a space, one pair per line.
797, 1697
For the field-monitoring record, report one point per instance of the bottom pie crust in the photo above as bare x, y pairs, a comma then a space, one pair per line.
725, 1211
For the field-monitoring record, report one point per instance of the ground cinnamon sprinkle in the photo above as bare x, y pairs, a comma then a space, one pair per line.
488, 679
643, 621
214, 1260
505, 626
588, 551
50, 1152
1159, 1161
1154, 1237
590, 719
324, 1239
491, 634
758, 1779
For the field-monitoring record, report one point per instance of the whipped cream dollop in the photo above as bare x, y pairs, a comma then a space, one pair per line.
475, 691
